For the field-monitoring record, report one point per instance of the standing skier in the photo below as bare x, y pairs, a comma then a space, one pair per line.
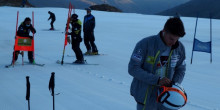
88, 29
23, 4
23, 31
53, 19
76, 38
157, 60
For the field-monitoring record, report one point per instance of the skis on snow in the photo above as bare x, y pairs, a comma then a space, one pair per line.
59, 62
25, 63
101, 54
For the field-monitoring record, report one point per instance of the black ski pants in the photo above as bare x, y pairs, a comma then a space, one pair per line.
30, 56
76, 49
89, 41
51, 23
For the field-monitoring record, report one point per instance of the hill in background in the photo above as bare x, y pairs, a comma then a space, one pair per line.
130, 6
194, 8
16, 3
105, 7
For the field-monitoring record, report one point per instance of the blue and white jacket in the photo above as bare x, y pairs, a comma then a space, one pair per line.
142, 67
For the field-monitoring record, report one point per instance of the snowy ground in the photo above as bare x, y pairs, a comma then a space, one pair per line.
104, 86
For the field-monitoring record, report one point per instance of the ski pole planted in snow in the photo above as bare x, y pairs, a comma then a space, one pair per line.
51, 87
28, 91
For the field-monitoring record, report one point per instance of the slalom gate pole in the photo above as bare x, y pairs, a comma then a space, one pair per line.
194, 38
33, 37
211, 37
67, 28
13, 61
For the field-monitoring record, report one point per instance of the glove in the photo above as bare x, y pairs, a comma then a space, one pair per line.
31, 37
80, 39
68, 39
165, 82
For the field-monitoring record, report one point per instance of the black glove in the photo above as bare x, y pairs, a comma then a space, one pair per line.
31, 37
80, 39
68, 40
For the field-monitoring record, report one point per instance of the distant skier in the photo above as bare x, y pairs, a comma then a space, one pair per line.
88, 29
23, 31
23, 4
76, 25
53, 19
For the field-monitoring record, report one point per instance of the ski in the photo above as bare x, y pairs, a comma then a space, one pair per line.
25, 63
50, 30
7, 66
59, 62
87, 55
94, 55
37, 64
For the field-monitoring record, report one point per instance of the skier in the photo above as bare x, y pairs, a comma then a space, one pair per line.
76, 38
23, 4
157, 60
88, 29
23, 31
53, 19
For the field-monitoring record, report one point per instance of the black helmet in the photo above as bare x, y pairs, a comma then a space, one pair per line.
74, 16
88, 9
27, 19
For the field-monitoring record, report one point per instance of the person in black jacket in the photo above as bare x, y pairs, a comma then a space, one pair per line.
88, 29
76, 25
53, 18
23, 31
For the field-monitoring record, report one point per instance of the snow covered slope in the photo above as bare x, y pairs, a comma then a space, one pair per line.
104, 86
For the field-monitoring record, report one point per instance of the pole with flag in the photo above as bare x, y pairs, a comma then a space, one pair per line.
51, 87
194, 38
202, 46
28, 91
67, 28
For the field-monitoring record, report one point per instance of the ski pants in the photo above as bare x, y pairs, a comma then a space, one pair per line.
30, 56
51, 23
77, 50
89, 41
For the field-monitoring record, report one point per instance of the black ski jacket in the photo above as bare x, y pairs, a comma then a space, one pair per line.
76, 30
52, 16
24, 30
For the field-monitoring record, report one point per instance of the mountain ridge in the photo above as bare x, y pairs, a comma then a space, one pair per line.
194, 8
130, 6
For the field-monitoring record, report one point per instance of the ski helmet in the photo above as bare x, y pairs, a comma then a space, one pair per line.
173, 97
88, 9
74, 16
27, 19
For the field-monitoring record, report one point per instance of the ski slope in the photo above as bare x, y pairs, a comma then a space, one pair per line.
98, 87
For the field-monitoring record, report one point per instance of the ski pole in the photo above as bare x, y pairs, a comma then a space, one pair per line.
51, 87
28, 91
